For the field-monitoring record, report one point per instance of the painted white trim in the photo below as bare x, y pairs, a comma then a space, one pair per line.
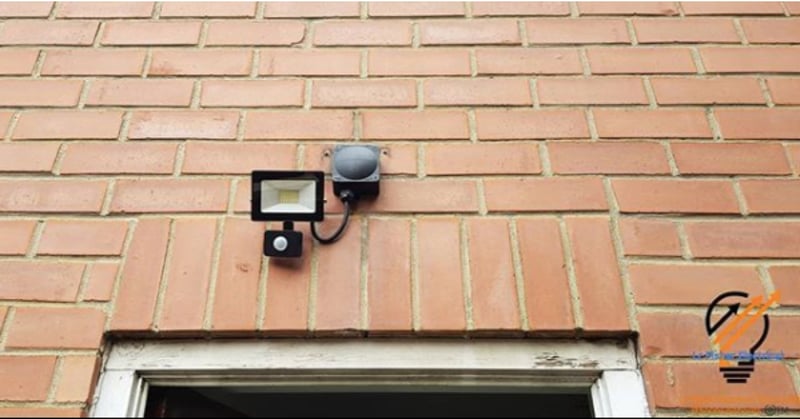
608, 367
620, 394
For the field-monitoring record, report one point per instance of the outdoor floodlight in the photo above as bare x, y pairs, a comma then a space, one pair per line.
286, 196
289, 196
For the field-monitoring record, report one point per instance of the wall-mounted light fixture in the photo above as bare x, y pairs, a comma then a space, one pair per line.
289, 196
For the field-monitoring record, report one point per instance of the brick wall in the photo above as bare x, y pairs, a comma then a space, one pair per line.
551, 169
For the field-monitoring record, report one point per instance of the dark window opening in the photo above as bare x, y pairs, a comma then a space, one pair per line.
175, 402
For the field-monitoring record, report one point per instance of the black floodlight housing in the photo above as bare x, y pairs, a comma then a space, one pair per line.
289, 196
280, 195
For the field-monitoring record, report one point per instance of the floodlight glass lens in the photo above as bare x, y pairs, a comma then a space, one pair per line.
288, 196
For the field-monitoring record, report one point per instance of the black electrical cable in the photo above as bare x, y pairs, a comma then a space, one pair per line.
346, 197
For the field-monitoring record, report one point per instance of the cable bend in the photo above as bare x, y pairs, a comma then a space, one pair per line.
338, 233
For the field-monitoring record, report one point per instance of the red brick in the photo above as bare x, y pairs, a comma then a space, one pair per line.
784, 91
56, 93
730, 159
26, 378
667, 284
40, 412
701, 386
494, 291
288, 286
395, 9
786, 281
597, 275
101, 280
545, 194
794, 155
236, 291
184, 124
364, 93
425, 196
469, 32
140, 92
706, 91
528, 61
396, 159
51, 327
311, 9
338, 282
216, 158
577, 31
481, 92
672, 334
389, 276
189, 274
16, 235
103, 9
419, 62
43, 196
647, 60
116, 157
675, 196
607, 157
742, 239
25, 9
94, 62
655, 380
641, 123
694, 30
751, 59
83, 238
151, 33
78, 374
141, 276
792, 7
314, 62
509, 8
421, 125
5, 121
260, 93
441, 295
48, 32
530, 124
170, 195
27, 157
592, 91
649, 237
233, 32
40, 281
18, 61
547, 294
208, 9
772, 196
203, 62
466, 159
732, 8
299, 125
755, 123
58, 125
655, 8
767, 31
352, 32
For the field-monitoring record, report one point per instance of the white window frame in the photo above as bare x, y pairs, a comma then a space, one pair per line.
609, 368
